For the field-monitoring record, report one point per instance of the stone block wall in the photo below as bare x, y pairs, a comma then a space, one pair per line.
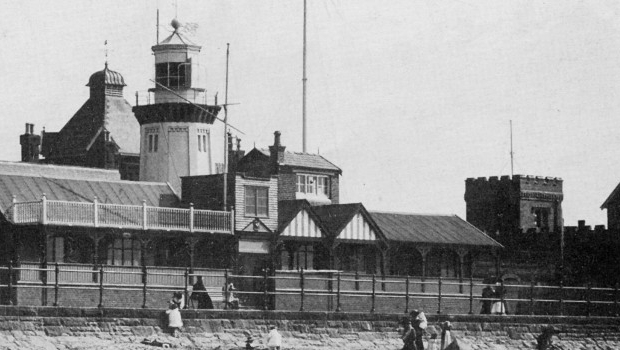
76, 328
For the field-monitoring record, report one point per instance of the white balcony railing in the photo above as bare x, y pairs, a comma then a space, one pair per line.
95, 214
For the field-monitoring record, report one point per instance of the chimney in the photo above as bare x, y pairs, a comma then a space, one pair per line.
30, 144
276, 152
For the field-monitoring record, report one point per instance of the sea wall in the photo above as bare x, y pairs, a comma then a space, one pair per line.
90, 328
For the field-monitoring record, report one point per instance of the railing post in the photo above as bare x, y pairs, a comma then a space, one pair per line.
96, 212
232, 219
501, 297
186, 292
56, 283
589, 299
144, 281
471, 294
439, 283
14, 209
407, 295
191, 217
265, 295
144, 215
357, 280
100, 286
44, 209
374, 293
561, 298
616, 311
225, 289
11, 276
301, 286
338, 309
532, 296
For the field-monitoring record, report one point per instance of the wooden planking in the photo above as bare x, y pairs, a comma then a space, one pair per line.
302, 225
358, 229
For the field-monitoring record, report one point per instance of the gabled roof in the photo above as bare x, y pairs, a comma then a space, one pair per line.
305, 160
288, 210
27, 188
612, 196
432, 229
335, 217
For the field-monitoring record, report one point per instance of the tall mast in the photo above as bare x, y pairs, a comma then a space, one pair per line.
304, 79
512, 155
226, 130
157, 28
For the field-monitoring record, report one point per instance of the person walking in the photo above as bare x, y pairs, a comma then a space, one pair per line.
409, 336
419, 323
274, 338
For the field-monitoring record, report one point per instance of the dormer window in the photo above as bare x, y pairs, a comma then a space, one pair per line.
314, 185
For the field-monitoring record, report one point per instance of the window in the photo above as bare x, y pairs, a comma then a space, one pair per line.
313, 184
202, 143
541, 217
152, 142
256, 201
124, 252
298, 258
173, 74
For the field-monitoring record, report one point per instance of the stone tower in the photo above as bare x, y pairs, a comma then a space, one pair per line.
175, 131
521, 203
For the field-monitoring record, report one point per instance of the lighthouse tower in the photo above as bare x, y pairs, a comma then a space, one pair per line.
175, 131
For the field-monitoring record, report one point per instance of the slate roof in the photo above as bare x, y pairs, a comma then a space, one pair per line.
32, 187
306, 160
111, 113
432, 229
288, 210
58, 171
612, 196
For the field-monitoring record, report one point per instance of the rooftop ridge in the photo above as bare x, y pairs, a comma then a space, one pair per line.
57, 171
404, 213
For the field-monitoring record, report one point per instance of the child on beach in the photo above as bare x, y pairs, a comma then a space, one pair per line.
174, 319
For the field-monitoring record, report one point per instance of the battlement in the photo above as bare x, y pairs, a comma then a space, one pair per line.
544, 180
482, 185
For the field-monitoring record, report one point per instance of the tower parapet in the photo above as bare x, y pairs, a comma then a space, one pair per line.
520, 202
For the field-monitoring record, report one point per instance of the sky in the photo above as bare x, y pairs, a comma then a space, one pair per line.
408, 97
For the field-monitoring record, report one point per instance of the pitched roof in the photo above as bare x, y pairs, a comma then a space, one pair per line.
611, 197
288, 210
85, 189
112, 113
305, 160
433, 229
58, 171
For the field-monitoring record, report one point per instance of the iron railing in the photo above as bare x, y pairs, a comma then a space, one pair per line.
300, 290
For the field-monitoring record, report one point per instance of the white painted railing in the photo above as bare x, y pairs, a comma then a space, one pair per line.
95, 214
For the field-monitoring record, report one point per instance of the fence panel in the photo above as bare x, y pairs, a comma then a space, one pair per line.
116, 215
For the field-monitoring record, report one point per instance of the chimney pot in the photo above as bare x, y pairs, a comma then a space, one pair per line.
276, 139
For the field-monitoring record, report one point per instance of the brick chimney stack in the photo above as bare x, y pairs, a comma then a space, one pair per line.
30, 144
276, 151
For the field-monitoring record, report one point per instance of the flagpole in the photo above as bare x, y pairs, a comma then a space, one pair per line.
226, 130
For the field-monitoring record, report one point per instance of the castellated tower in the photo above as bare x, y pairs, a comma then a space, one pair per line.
175, 131
521, 203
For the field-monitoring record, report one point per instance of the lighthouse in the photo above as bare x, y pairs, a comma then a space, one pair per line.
176, 129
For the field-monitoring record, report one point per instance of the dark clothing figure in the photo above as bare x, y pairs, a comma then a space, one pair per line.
409, 337
487, 293
201, 296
